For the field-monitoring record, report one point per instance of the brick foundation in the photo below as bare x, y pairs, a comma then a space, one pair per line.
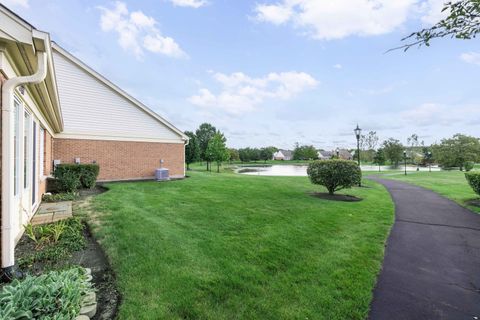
122, 160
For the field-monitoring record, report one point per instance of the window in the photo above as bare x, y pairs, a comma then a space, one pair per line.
42, 152
16, 147
26, 149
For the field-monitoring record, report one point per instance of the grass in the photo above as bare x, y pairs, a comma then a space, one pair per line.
450, 184
228, 246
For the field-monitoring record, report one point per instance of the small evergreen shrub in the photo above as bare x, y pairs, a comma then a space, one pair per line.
70, 177
335, 174
473, 179
54, 295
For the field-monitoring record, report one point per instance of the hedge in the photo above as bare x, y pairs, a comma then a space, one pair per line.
335, 174
71, 177
473, 179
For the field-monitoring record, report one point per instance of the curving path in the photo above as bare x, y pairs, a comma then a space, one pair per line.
431, 268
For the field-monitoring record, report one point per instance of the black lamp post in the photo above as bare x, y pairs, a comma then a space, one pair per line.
405, 160
338, 153
358, 132
429, 161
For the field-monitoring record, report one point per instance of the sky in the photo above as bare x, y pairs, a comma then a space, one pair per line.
276, 72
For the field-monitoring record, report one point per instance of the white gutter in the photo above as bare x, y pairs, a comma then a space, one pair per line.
8, 120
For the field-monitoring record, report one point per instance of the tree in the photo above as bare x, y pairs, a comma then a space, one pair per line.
234, 156
204, 133
192, 149
217, 150
368, 144
462, 22
379, 158
267, 153
457, 151
393, 150
305, 153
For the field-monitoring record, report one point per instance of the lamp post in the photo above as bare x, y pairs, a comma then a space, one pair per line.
429, 161
405, 160
358, 132
338, 153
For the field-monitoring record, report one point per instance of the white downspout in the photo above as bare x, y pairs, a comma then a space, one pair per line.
8, 113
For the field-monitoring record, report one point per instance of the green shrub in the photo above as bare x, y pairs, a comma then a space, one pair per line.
56, 197
54, 295
469, 166
473, 179
70, 177
335, 174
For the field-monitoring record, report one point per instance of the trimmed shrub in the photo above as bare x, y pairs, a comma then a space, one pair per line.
473, 179
71, 177
335, 174
54, 295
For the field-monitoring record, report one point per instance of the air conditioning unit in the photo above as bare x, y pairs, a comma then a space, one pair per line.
162, 174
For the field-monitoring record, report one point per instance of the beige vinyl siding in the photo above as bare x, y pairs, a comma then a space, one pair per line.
92, 108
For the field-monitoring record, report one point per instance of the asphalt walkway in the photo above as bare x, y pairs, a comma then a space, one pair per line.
431, 268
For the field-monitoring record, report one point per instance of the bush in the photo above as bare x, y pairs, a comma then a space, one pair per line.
54, 295
469, 166
473, 179
335, 174
56, 197
71, 177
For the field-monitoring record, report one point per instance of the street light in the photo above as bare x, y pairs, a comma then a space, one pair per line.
358, 132
405, 160
338, 153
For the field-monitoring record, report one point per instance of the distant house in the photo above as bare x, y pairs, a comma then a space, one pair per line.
324, 155
283, 155
345, 154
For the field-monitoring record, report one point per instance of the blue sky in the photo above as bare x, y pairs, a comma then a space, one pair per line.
276, 72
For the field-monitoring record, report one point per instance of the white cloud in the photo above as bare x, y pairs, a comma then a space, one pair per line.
13, 3
471, 57
327, 20
338, 66
241, 93
189, 3
433, 114
137, 32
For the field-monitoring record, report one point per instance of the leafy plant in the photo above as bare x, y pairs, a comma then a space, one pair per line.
473, 179
30, 232
469, 165
70, 177
56, 197
54, 295
335, 174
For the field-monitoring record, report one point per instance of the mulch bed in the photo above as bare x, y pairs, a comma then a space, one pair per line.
335, 197
93, 257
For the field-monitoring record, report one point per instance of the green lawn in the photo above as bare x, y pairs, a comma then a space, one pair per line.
451, 184
228, 246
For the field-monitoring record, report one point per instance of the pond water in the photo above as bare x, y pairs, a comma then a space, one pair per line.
301, 171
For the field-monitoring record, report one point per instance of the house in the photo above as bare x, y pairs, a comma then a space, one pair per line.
345, 154
56, 108
324, 155
283, 155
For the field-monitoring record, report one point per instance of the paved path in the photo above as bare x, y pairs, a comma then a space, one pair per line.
432, 260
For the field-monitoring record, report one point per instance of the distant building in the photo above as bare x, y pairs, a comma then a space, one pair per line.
283, 155
342, 154
325, 155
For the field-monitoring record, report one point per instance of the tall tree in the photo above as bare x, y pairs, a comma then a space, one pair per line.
393, 150
204, 133
217, 150
379, 158
304, 152
192, 149
457, 151
234, 155
462, 22
267, 153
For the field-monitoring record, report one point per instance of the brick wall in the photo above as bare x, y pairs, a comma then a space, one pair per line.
122, 160
47, 164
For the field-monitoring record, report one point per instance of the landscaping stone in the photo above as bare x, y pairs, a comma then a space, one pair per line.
89, 310
52, 212
82, 317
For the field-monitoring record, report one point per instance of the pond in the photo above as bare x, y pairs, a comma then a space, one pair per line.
301, 170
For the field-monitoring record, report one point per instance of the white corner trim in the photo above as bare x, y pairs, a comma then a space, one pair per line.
117, 89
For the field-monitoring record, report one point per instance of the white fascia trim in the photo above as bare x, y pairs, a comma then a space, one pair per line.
114, 138
117, 89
